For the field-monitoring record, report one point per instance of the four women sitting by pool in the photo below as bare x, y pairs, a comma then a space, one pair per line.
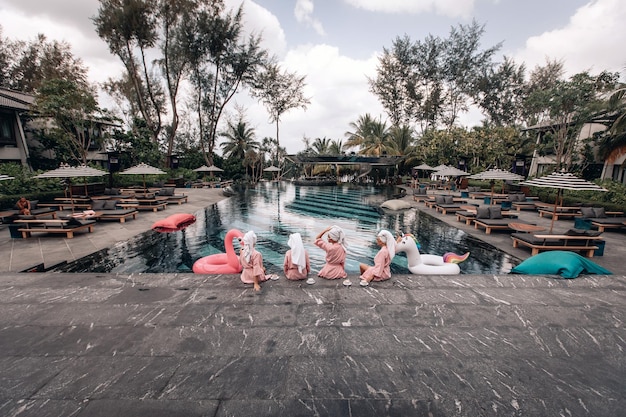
296, 265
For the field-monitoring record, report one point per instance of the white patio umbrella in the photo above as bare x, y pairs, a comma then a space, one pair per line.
496, 174
450, 172
562, 181
424, 167
271, 168
440, 167
143, 169
69, 172
210, 169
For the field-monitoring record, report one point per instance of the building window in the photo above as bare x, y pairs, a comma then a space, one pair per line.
6, 130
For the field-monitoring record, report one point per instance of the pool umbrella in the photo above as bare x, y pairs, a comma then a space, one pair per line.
562, 181
496, 174
69, 172
440, 167
210, 169
271, 168
450, 172
143, 169
424, 167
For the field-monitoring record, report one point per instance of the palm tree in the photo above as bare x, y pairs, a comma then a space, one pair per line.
372, 136
360, 130
336, 147
378, 142
402, 139
239, 140
321, 146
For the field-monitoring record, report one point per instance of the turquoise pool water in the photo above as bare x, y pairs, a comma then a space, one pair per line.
276, 209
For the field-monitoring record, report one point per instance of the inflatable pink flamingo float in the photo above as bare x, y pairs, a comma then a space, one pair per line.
221, 263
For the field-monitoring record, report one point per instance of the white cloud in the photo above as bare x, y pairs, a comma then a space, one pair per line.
339, 92
259, 20
450, 8
303, 13
592, 40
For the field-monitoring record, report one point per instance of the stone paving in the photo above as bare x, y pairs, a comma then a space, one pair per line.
194, 345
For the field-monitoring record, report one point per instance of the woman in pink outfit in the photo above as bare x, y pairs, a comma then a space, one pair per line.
381, 270
296, 265
335, 252
252, 262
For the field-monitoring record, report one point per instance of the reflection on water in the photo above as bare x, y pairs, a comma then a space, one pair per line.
274, 210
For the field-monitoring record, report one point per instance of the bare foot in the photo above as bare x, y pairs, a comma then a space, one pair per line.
257, 287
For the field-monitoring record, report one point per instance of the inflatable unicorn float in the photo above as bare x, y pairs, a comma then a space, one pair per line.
448, 264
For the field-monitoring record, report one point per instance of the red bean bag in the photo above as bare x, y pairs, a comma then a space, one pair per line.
174, 223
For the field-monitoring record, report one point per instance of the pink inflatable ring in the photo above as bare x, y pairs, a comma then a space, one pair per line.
221, 263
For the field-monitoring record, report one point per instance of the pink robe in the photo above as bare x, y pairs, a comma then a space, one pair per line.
335, 260
291, 270
252, 268
381, 270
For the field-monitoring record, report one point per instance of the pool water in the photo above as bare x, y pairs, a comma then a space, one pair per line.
276, 209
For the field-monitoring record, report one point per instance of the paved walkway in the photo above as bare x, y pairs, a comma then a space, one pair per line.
190, 345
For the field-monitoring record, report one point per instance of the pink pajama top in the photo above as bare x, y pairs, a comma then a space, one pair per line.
252, 268
335, 260
291, 270
381, 270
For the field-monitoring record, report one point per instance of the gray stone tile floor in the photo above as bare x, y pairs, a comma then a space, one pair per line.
196, 345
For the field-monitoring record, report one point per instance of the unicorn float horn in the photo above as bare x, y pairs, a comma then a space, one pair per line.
453, 258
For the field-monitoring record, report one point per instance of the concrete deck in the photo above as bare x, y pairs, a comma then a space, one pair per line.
192, 345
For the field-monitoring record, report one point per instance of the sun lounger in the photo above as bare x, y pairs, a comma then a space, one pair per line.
444, 203
561, 212
36, 209
603, 223
11, 215
492, 224
167, 193
447, 208
56, 226
420, 194
492, 218
598, 217
118, 214
585, 244
154, 204
523, 205
469, 215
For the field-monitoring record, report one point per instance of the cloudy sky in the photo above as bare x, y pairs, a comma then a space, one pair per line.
335, 44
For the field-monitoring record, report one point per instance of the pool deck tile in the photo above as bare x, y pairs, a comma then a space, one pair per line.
196, 345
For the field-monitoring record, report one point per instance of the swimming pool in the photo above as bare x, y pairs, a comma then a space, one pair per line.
276, 209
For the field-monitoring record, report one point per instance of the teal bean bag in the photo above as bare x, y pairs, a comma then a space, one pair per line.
564, 263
